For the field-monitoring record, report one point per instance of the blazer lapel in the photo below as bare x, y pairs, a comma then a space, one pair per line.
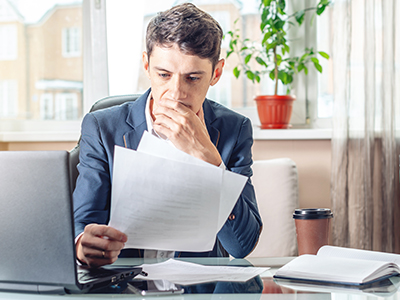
136, 119
210, 117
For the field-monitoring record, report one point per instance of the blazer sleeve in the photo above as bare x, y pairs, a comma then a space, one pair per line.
93, 187
241, 231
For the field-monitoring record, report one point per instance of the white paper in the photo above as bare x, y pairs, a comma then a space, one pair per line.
165, 199
163, 204
232, 183
187, 273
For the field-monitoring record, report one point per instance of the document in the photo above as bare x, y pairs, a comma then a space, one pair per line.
165, 199
187, 273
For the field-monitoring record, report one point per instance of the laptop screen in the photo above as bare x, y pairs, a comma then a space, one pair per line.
36, 219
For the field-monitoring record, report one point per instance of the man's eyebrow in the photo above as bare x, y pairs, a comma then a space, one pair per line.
200, 72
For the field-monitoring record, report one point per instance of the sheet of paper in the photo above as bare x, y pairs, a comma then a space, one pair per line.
187, 273
232, 183
165, 199
164, 204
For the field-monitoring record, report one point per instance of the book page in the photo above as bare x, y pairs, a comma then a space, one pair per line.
332, 251
333, 269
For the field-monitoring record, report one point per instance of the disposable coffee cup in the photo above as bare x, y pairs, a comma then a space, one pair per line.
312, 229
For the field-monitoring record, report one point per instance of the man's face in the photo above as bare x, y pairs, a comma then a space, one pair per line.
180, 77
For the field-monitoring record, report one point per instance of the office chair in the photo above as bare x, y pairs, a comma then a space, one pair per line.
100, 104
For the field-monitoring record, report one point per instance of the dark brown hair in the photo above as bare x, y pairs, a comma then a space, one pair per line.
193, 30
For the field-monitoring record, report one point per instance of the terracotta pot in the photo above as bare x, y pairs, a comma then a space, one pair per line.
274, 111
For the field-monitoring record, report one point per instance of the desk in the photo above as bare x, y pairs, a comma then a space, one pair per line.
269, 290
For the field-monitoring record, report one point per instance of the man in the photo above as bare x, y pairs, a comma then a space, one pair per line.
182, 62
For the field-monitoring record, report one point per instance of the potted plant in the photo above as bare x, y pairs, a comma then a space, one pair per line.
271, 56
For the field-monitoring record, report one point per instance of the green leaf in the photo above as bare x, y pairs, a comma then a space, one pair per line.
271, 46
305, 70
320, 9
289, 79
323, 54
286, 47
300, 67
272, 74
257, 77
244, 48
236, 72
228, 54
266, 37
267, 2
300, 16
315, 60
261, 61
278, 24
318, 67
250, 75
282, 4
304, 57
282, 76
247, 59
262, 26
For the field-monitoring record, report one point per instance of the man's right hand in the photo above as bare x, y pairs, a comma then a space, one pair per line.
99, 245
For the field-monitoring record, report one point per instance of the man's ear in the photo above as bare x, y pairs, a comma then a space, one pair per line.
217, 72
146, 63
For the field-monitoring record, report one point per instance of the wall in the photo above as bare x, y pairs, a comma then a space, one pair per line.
313, 160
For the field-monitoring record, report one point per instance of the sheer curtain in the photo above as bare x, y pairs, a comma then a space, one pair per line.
366, 124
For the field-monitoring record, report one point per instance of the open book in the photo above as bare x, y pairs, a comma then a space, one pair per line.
342, 266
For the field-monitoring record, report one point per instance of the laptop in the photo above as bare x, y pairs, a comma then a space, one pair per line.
37, 249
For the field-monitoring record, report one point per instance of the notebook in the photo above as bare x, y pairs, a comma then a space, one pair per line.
37, 250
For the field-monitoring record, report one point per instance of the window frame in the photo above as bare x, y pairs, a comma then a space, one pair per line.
71, 38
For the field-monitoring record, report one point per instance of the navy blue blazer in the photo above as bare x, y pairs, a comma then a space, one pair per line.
230, 132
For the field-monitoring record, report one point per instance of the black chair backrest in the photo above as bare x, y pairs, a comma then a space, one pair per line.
100, 104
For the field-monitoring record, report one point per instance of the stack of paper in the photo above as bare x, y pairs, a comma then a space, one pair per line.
186, 273
165, 199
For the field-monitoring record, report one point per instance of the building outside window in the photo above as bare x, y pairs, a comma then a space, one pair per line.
46, 106
8, 98
40, 56
71, 41
8, 42
66, 106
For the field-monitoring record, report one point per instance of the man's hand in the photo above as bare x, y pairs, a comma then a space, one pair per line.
185, 129
100, 245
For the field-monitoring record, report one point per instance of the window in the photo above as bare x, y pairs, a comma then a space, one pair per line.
46, 106
235, 93
47, 36
8, 98
71, 42
66, 106
8, 42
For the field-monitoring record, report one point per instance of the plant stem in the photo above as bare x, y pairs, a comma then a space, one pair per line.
276, 71
305, 10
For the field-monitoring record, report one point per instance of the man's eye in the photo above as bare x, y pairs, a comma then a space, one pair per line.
163, 75
193, 78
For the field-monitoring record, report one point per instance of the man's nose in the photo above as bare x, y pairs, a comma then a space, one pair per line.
178, 89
